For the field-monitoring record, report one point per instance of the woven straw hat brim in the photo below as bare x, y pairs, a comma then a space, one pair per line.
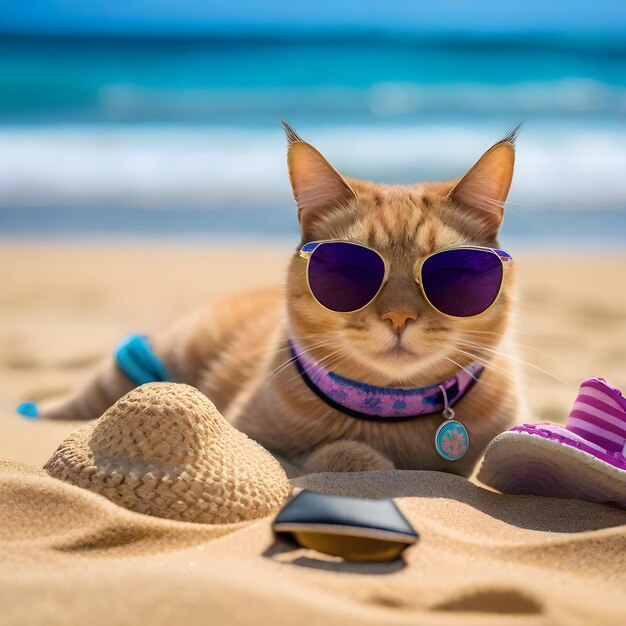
165, 450
521, 463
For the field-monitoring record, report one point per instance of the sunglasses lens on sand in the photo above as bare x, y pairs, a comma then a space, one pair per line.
356, 529
462, 282
344, 276
350, 548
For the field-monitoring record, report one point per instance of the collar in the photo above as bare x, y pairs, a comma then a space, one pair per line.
382, 404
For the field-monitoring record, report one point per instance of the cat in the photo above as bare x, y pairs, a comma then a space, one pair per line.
237, 351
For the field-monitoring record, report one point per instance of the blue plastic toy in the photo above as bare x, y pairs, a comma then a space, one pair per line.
135, 357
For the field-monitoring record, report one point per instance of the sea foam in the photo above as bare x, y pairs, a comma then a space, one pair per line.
558, 164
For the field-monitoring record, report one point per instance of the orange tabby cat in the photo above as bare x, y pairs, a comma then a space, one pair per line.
236, 352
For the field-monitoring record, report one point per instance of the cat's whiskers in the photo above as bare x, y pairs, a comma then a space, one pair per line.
324, 361
487, 363
517, 343
512, 331
389, 363
320, 344
288, 362
506, 355
273, 346
331, 359
448, 358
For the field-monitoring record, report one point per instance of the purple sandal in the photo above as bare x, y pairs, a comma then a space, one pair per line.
586, 459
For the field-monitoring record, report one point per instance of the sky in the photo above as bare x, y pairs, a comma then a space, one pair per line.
479, 17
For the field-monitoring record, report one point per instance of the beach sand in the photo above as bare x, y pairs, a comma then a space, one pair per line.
68, 556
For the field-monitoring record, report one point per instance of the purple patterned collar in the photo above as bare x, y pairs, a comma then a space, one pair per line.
381, 404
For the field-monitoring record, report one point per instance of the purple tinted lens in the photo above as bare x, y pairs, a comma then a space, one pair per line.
462, 282
344, 276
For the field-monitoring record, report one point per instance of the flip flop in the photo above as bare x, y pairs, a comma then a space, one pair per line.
585, 459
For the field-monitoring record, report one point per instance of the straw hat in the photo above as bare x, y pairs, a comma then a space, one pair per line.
165, 450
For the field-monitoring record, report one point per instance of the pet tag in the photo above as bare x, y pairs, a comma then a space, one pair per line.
451, 438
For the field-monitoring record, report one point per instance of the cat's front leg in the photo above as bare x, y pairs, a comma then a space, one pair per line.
345, 456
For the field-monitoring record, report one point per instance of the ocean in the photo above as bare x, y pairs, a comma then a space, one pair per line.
161, 137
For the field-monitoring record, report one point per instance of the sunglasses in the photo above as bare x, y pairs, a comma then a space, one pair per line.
355, 529
345, 277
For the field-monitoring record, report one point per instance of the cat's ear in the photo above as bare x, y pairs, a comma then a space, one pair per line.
317, 186
484, 189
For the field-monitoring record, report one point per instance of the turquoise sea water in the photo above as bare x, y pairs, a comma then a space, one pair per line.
181, 135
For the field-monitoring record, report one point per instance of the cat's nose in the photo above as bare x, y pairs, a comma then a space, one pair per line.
398, 319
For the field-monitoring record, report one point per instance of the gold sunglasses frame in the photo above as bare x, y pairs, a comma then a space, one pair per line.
505, 259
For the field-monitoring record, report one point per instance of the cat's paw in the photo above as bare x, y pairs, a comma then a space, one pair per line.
345, 456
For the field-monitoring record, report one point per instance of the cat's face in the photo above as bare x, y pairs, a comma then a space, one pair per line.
398, 339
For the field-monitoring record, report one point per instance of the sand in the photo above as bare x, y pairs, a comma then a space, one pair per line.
68, 556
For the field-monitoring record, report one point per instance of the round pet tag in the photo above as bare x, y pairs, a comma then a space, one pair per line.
451, 440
